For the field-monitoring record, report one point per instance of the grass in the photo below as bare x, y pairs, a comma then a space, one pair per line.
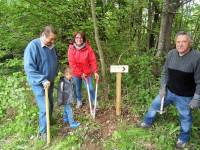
127, 136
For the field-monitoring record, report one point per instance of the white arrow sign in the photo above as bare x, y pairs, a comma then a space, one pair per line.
119, 68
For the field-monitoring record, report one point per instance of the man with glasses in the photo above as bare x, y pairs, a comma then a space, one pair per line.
40, 65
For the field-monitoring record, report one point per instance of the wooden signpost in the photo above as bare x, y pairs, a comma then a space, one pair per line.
118, 69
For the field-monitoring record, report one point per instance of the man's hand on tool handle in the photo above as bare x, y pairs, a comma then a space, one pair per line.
46, 84
162, 93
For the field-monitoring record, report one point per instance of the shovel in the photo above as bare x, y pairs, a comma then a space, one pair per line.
95, 100
88, 91
161, 105
47, 116
92, 111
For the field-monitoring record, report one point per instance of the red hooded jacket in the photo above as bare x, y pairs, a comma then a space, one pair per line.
82, 61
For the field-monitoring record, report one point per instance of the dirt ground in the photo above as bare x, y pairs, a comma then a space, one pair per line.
108, 122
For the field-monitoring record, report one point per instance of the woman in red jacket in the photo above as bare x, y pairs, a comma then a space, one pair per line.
82, 61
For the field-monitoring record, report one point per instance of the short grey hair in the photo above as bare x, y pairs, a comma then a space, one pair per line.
185, 33
48, 29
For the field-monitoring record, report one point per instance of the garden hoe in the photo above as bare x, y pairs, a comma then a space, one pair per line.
47, 115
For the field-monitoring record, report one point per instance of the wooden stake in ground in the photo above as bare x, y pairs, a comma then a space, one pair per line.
118, 69
47, 116
118, 93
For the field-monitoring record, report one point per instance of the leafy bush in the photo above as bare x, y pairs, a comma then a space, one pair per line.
141, 84
15, 110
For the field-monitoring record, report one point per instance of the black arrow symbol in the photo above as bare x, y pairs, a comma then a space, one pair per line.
123, 69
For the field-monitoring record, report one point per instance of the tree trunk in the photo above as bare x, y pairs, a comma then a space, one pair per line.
156, 21
168, 13
153, 21
150, 40
96, 31
139, 30
196, 36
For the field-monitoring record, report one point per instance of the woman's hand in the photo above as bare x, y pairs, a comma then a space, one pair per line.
84, 76
96, 76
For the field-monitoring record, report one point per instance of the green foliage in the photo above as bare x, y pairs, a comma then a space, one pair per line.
12, 92
141, 84
15, 112
161, 136
70, 142
23, 20
131, 138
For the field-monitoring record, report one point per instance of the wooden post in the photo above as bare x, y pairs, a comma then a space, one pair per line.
118, 93
47, 116
118, 69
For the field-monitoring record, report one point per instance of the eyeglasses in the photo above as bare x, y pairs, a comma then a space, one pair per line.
78, 37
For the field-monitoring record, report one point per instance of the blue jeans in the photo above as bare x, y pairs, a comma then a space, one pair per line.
182, 105
40, 100
78, 81
68, 114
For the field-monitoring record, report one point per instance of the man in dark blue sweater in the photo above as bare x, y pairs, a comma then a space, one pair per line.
40, 65
180, 86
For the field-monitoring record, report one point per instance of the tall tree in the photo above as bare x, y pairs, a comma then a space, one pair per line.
168, 13
149, 24
139, 30
153, 20
96, 31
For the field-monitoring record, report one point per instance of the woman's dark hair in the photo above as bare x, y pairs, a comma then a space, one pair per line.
82, 35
